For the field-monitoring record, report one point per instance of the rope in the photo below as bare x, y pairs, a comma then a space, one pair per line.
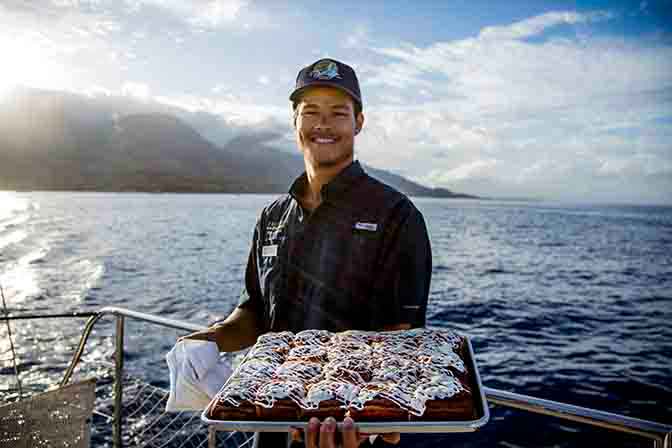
11, 342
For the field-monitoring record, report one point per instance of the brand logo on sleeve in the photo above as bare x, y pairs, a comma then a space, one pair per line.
274, 232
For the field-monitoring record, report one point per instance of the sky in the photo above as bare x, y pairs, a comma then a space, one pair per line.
563, 100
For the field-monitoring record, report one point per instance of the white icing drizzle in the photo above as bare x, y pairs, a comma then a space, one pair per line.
268, 352
434, 358
396, 345
310, 337
313, 352
401, 394
438, 347
271, 392
306, 372
395, 374
435, 336
439, 391
256, 368
330, 390
235, 392
361, 365
440, 387
406, 367
346, 349
283, 338
345, 375
353, 336
437, 376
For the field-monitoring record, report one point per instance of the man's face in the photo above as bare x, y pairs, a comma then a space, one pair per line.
326, 127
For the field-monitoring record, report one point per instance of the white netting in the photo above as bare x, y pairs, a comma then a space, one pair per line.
145, 423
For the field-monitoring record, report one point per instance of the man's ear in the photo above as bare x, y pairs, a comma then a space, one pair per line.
359, 123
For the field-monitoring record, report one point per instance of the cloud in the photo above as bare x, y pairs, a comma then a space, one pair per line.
642, 163
72, 18
232, 108
55, 45
538, 24
96, 91
358, 38
136, 90
201, 14
476, 168
501, 113
220, 88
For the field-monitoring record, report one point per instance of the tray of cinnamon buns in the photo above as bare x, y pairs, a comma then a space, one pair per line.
418, 380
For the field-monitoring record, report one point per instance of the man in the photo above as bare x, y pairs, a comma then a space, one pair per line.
342, 250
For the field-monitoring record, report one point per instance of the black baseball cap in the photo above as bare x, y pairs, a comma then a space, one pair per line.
331, 73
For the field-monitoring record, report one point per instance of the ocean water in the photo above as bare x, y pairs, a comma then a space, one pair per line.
561, 301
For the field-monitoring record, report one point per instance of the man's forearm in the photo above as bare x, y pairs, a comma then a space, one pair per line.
395, 327
240, 330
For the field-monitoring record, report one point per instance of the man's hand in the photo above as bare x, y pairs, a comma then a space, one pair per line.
237, 332
326, 435
203, 335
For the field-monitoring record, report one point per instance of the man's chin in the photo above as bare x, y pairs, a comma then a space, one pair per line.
330, 163
321, 158
333, 163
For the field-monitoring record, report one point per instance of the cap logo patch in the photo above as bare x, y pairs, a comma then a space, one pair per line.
325, 69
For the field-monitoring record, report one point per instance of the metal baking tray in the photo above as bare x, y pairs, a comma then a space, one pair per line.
482, 412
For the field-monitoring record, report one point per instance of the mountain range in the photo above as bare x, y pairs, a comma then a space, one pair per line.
62, 141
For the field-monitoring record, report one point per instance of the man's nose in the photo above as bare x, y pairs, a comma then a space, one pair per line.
323, 122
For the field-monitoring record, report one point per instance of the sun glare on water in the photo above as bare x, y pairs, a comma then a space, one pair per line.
11, 203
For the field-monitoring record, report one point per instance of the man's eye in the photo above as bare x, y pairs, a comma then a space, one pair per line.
308, 113
341, 114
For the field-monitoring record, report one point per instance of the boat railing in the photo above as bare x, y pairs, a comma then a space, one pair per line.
659, 434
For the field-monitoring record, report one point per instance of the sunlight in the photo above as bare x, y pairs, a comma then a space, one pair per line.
9, 74
7, 83
20, 280
6, 87
11, 204
20, 283
25, 63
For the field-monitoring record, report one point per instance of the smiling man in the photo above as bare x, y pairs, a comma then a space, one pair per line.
341, 250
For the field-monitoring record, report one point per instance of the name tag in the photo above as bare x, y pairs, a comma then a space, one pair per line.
269, 251
368, 226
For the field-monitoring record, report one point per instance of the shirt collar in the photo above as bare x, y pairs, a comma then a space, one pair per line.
333, 189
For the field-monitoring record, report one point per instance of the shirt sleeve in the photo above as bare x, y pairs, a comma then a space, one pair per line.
251, 297
403, 287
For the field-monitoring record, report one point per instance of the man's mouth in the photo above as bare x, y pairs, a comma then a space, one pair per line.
323, 140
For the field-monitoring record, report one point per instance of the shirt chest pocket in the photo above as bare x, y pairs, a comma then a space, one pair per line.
361, 249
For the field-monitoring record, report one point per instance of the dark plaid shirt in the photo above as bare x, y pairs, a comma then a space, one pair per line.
361, 260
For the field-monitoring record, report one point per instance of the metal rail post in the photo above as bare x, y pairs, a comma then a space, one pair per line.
118, 382
665, 443
212, 437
